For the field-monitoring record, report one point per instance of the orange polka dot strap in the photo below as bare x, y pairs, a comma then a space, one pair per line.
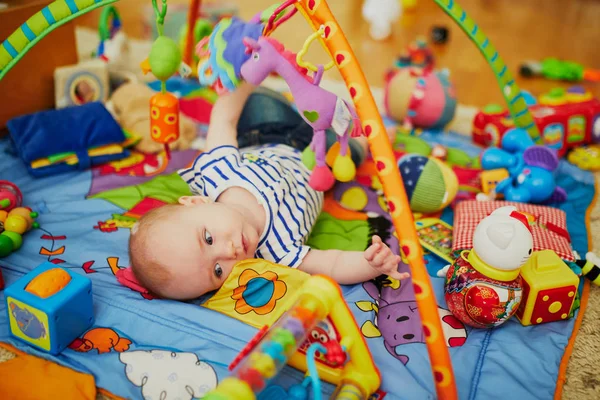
319, 15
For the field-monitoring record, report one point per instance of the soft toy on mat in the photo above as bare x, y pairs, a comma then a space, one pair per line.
238, 51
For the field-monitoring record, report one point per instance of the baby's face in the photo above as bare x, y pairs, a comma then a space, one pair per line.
199, 245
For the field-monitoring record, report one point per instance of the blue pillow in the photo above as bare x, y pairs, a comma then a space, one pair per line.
69, 130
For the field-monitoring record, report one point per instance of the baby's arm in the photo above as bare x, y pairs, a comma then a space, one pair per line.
350, 267
224, 117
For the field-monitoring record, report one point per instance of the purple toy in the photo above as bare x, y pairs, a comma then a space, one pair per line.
320, 108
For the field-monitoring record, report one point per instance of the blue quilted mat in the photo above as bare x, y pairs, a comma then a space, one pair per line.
148, 348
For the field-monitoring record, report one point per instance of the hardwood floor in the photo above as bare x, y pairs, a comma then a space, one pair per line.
520, 30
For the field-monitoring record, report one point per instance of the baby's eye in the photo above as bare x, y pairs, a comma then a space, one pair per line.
218, 271
208, 238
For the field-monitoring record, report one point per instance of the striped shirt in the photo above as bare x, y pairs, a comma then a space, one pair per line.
275, 175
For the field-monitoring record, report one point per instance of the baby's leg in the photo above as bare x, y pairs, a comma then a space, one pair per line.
269, 118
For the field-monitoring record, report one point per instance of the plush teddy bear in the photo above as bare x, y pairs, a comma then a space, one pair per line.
130, 106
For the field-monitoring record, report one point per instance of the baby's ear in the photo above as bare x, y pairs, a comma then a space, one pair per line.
193, 200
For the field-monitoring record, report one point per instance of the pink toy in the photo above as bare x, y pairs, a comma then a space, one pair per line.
483, 287
420, 99
10, 196
320, 108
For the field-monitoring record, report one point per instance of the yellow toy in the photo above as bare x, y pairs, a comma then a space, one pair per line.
490, 178
349, 365
549, 288
587, 157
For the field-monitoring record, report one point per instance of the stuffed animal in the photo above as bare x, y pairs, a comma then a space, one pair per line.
129, 105
530, 168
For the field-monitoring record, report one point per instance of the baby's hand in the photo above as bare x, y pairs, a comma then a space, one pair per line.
381, 258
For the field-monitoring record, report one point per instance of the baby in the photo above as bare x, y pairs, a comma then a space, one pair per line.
254, 203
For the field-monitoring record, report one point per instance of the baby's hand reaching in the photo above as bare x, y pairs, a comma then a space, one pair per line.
381, 258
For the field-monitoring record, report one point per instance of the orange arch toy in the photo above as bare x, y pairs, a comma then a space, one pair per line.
318, 14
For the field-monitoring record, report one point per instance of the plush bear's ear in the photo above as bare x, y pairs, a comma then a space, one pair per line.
542, 157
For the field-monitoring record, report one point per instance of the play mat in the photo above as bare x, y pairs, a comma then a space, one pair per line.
144, 346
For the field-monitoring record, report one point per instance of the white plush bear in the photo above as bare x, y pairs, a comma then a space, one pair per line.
503, 240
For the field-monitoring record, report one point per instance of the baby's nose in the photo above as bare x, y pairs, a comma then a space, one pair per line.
231, 251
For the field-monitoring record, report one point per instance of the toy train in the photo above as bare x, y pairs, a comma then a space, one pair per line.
566, 119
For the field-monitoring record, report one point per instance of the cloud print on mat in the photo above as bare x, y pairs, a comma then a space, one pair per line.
165, 375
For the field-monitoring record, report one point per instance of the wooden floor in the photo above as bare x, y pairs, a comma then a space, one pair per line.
520, 30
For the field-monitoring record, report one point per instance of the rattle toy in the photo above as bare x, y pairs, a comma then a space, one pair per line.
529, 168
164, 61
483, 287
49, 307
10, 196
349, 366
15, 220
112, 38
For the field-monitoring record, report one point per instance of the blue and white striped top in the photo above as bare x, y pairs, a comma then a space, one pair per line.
276, 176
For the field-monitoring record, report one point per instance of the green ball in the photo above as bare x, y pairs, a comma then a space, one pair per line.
164, 58
17, 240
6, 246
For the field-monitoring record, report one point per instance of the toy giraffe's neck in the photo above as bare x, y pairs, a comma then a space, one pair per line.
292, 77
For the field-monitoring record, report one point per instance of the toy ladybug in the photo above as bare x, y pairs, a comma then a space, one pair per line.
483, 287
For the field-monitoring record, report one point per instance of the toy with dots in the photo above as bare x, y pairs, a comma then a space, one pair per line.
15, 220
549, 289
164, 61
49, 307
483, 287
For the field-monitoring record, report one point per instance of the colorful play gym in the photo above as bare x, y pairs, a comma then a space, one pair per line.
492, 219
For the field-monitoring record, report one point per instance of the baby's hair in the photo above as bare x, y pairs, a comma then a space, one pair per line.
149, 273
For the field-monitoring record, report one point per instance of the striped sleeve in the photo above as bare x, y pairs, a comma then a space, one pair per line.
295, 257
197, 175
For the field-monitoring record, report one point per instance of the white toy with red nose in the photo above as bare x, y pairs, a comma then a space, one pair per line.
503, 239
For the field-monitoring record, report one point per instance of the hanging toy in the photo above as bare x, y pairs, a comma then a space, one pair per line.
164, 61
237, 51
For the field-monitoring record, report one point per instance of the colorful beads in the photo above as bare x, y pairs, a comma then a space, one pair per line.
13, 225
264, 364
275, 351
287, 338
253, 378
